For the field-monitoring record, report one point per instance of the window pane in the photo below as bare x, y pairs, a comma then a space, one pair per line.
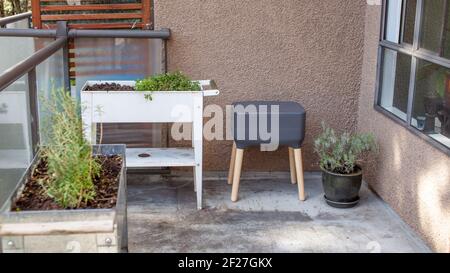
409, 21
393, 20
435, 34
431, 109
395, 77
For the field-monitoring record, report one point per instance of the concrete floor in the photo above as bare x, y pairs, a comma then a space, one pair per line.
268, 218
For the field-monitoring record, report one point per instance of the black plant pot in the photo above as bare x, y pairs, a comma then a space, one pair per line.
432, 104
341, 190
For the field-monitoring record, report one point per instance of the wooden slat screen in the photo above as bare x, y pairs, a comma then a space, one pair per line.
93, 14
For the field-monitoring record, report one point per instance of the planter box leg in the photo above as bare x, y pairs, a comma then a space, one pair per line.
195, 179
198, 178
197, 130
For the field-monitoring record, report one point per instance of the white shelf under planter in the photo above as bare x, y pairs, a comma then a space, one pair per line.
165, 107
157, 157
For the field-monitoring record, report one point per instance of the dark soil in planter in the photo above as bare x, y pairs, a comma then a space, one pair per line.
109, 87
33, 196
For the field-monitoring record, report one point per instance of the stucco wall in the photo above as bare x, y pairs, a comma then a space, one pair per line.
410, 174
300, 50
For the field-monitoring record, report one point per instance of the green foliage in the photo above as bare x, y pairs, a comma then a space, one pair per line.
441, 80
167, 82
71, 167
340, 153
12, 7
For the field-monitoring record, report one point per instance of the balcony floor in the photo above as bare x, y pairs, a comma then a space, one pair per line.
268, 218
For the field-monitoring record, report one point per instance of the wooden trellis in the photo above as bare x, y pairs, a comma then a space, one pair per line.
93, 14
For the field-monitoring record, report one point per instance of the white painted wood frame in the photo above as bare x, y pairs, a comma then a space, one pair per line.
165, 107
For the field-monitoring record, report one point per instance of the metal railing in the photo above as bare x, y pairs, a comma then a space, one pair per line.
63, 32
14, 18
61, 35
163, 34
88, 33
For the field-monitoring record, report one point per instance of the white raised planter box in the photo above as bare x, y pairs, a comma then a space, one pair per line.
165, 107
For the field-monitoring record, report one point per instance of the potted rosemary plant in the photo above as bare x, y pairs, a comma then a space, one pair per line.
73, 195
339, 157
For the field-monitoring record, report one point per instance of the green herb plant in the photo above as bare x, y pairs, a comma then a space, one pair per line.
341, 153
71, 166
176, 81
441, 80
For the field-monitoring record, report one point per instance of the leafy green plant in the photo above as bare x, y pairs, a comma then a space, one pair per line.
340, 153
71, 166
441, 80
167, 82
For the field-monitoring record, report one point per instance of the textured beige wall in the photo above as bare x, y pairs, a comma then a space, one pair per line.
310, 52
300, 50
411, 175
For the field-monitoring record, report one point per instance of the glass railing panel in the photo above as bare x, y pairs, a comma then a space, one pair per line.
24, 23
116, 59
15, 136
120, 59
16, 49
49, 77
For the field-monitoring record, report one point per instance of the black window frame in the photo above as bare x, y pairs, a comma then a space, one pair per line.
416, 53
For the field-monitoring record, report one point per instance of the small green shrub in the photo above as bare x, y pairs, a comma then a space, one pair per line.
71, 167
167, 82
340, 153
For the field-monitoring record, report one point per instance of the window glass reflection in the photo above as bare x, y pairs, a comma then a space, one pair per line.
431, 109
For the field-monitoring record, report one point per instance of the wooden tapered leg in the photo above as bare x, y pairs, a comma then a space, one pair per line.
292, 166
237, 174
232, 160
299, 172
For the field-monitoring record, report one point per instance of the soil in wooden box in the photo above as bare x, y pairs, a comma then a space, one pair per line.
34, 197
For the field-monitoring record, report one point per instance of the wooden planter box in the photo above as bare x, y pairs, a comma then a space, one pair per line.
165, 107
89, 230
